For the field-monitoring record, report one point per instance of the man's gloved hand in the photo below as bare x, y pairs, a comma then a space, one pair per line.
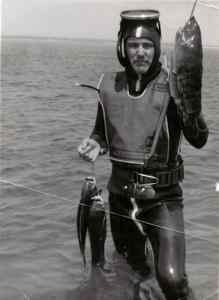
89, 149
190, 93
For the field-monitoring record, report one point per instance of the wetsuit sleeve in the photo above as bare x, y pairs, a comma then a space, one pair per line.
98, 133
194, 129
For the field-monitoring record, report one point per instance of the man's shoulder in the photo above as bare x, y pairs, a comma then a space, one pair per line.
162, 81
164, 73
114, 74
113, 79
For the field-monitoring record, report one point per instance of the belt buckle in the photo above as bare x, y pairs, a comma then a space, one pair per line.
143, 186
145, 179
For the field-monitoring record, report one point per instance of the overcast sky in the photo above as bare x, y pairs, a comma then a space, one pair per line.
92, 19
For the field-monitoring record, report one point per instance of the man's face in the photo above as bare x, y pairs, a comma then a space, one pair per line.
140, 53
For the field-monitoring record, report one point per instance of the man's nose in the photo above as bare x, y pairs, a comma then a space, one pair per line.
141, 50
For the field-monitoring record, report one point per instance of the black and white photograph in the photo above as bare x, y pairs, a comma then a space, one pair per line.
109, 158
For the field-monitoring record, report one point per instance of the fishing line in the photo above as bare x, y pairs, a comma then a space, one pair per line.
209, 5
24, 294
203, 3
199, 225
193, 8
34, 190
212, 294
107, 211
93, 169
155, 225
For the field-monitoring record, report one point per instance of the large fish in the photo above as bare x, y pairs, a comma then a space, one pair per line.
91, 218
187, 62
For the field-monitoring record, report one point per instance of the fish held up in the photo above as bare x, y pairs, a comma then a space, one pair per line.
188, 67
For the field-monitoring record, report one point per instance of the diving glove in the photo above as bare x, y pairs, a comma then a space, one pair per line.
190, 94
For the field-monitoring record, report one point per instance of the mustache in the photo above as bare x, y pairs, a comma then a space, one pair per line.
137, 61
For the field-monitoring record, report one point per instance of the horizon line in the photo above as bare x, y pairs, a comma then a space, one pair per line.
81, 39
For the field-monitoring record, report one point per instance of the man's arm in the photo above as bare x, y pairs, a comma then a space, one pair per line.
188, 104
194, 129
95, 145
98, 133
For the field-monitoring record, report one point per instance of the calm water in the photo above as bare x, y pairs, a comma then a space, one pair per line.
43, 119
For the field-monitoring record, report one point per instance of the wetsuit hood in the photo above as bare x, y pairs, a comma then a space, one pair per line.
139, 24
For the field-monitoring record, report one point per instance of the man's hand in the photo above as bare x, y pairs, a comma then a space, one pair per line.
89, 149
190, 91
185, 89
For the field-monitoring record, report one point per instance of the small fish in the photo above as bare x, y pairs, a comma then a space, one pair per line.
188, 55
97, 230
91, 218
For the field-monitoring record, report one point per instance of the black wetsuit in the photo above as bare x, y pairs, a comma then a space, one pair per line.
165, 211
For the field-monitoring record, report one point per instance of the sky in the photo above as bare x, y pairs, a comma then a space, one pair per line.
100, 20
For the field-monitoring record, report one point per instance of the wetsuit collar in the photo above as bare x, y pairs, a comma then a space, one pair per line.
132, 78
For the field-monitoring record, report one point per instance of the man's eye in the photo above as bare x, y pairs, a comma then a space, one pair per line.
144, 45
133, 45
147, 46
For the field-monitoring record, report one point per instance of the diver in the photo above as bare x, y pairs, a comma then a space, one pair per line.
128, 116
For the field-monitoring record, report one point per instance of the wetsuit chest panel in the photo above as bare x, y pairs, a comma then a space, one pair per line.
131, 121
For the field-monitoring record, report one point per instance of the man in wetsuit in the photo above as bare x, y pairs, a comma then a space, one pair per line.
131, 103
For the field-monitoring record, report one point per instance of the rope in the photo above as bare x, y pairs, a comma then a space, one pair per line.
107, 211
